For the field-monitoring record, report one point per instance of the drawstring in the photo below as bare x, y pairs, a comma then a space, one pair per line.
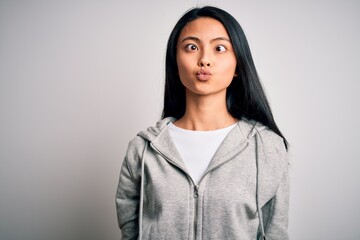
142, 190
257, 136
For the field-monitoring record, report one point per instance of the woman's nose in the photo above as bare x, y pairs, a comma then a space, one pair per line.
205, 60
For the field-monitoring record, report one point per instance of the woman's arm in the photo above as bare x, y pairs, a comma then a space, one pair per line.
277, 227
127, 202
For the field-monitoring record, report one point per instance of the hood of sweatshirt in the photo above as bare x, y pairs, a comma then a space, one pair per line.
160, 139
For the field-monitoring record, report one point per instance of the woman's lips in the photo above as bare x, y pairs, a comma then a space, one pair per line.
203, 75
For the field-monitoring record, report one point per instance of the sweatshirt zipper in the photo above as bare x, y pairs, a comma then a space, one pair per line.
196, 196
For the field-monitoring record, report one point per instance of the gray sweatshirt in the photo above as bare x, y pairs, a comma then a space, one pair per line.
244, 193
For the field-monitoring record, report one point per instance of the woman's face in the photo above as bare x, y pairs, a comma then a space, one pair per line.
205, 57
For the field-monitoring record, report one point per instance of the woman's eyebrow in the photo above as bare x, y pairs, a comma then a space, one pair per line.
212, 40
220, 39
190, 38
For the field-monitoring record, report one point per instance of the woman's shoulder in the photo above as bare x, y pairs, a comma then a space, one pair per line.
273, 140
275, 151
136, 146
272, 143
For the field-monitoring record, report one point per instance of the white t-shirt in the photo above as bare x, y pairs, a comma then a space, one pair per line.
197, 148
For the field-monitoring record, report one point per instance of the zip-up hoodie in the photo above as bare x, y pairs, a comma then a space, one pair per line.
243, 194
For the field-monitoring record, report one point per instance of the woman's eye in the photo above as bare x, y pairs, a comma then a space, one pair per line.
191, 47
220, 48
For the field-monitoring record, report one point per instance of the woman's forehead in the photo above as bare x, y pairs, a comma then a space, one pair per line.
204, 27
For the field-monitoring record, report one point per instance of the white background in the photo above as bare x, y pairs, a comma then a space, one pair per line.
79, 79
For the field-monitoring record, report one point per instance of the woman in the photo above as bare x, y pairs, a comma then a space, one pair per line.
215, 166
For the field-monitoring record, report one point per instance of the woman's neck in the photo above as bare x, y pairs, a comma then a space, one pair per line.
204, 113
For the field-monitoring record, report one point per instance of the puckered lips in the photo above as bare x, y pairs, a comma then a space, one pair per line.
203, 75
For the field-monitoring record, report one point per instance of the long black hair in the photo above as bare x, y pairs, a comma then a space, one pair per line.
245, 96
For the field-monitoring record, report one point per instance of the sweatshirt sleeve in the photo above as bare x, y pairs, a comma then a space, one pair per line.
127, 198
277, 226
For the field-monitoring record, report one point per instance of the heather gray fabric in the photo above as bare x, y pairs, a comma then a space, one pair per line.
249, 172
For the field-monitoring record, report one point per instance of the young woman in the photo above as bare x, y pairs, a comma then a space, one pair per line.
215, 166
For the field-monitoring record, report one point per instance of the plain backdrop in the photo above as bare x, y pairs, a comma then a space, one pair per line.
79, 79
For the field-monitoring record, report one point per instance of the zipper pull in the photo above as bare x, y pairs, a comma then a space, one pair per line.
196, 191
